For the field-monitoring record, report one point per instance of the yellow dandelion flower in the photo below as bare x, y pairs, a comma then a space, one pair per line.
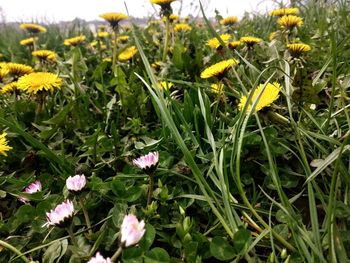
107, 59
19, 69
229, 21
284, 11
268, 96
44, 54
39, 81
172, 18
4, 70
113, 18
123, 39
93, 43
102, 27
33, 28
28, 41
161, 2
9, 87
215, 43
127, 54
165, 6
216, 88
156, 65
234, 44
164, 85
74, 41
290, 21
218, 69
154, 22
273, 35
4, 144
102, 34
296, 49
250, 41
182, 27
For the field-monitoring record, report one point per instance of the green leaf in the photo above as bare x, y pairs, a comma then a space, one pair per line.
2, 194
24, 214
190, 249
119, 211
55, 251
282, 230
131, 193
281, 216
341, 210
132, 255
61, 116
148, 142
97, 184
327, 161
49, 154
242, 241
118, 188
157, 255
110, 105
221, 249
148, 238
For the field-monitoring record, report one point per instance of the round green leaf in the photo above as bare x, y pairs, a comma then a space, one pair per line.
157, 255
242, 240
132, 255
148, 238
221, 249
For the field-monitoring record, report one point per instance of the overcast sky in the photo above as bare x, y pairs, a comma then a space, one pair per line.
64, 10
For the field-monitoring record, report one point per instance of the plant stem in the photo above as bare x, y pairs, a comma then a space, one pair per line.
334, 78
117, 253
14, 250
242, 192
40, 99
86, 215
34, 36
114, 58
71, 235
150, 188
166, 42
99, 49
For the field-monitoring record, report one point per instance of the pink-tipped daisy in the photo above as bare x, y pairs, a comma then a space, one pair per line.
132, 230
148, 161
98, 258
76, 183
30, 189
60, 214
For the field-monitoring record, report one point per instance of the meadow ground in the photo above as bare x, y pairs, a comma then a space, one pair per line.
183, 140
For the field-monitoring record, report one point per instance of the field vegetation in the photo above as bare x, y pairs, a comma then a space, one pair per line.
184, 140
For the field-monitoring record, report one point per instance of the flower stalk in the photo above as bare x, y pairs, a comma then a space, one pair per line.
14, 250
71, 235
86, 215
150, 188
166, 42
148, 163
117, 253
114, 56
